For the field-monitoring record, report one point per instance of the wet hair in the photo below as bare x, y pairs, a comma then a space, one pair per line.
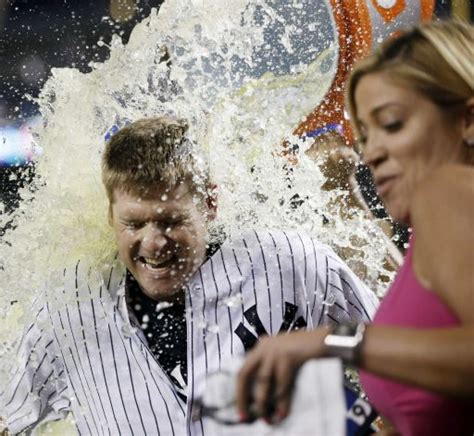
434, 59
148, 153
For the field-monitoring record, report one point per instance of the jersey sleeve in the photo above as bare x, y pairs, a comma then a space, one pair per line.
348, 299
37, 389
335, 294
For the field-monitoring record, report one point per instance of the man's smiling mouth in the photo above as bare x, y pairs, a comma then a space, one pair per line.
157, 265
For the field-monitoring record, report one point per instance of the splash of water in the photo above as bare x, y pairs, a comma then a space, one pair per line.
244, 80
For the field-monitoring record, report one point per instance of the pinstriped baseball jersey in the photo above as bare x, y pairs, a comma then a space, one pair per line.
84, 354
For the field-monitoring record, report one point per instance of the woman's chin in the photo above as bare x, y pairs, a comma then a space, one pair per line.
398, 212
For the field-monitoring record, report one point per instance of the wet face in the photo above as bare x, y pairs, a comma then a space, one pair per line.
404, 137
161, 238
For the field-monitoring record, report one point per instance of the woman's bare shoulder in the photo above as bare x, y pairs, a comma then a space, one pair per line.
442, 215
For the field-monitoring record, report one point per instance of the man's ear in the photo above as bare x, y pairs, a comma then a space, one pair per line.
110, 215
211, 201
468, 124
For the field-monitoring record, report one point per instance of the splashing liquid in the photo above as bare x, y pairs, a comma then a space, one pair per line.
245, 74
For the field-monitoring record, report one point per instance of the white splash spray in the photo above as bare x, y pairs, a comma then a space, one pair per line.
245, 74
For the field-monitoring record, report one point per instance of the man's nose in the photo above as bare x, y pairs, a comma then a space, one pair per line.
154, 239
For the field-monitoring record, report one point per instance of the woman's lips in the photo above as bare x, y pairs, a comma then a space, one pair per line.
384, 185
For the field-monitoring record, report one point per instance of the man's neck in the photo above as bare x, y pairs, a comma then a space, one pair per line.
132, 287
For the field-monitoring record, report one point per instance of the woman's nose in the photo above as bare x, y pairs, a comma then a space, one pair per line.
373, 154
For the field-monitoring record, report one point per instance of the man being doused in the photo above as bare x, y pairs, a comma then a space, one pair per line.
131, 352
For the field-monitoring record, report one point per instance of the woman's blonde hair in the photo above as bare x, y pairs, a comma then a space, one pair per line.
435, 59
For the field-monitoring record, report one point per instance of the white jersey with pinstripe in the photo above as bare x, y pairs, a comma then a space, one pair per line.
84, 353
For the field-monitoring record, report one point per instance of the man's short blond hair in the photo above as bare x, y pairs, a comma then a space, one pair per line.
148, 153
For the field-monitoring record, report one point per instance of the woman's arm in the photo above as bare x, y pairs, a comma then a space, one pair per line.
441, 360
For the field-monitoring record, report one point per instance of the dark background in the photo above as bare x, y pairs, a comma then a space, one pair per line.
39, 34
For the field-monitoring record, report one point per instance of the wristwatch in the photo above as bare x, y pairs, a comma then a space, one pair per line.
345, 341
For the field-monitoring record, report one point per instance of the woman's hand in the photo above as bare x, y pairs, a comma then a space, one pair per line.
266, 378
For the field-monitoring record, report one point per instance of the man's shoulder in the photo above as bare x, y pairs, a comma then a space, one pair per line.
82, 281
280, 242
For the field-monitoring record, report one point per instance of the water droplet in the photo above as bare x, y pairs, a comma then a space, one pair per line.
128, 330
330, 300
163, 305
213, 328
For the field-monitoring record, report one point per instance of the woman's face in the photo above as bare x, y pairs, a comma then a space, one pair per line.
405, 136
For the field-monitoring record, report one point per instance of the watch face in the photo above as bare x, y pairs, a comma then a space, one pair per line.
334, 340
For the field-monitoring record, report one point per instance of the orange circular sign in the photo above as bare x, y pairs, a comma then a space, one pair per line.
361, 26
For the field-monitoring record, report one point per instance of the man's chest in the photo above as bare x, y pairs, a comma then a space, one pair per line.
114, 381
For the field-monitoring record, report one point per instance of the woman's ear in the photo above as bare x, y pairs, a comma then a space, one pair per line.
211, 201
468, 124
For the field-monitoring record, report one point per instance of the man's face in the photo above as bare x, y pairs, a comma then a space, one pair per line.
161, 238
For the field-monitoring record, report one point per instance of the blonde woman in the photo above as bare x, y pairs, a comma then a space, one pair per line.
412, 105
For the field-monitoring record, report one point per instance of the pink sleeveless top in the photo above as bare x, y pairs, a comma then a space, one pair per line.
415, 411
